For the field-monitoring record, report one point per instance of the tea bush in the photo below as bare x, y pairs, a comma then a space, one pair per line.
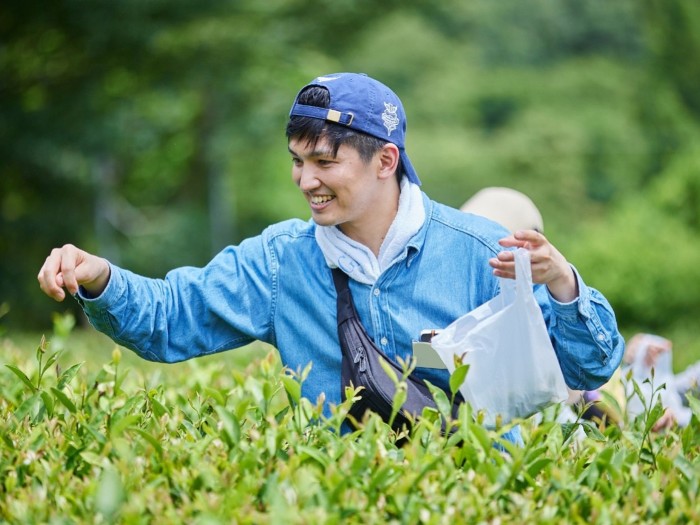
219, 445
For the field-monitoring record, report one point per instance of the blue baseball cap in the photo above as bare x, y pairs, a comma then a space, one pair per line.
365, 105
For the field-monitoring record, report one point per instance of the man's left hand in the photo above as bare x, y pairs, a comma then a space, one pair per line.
548, 265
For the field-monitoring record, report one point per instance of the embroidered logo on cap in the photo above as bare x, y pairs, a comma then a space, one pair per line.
389, 117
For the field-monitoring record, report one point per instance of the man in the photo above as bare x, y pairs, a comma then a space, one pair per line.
414, 264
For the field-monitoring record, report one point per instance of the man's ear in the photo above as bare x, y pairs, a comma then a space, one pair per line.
388, 160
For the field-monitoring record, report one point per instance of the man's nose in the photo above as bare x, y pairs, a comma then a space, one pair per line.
308, 180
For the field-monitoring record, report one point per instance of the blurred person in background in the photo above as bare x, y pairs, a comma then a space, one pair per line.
510, 208
648, 361
414, 264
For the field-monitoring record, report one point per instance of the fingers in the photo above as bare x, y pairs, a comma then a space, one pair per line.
58, 271
503, 264
69, 262
548, 265
523, 239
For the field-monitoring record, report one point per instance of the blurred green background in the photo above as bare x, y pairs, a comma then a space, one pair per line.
152, 132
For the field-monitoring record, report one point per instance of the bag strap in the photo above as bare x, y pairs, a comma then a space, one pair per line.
346, 306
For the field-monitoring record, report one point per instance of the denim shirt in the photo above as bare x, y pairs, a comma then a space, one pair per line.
277, 288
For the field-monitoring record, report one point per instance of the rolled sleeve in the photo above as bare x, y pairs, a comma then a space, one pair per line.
586, 338
96, 307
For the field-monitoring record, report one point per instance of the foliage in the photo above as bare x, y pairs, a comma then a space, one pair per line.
152, 132
220, 445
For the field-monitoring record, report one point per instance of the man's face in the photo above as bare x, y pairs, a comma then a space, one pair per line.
341, 190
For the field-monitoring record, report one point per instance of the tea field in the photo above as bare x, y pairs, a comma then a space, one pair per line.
113, 439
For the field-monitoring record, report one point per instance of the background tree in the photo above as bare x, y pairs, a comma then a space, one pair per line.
152, 132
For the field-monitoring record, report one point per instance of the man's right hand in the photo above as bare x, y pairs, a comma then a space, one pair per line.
70, 267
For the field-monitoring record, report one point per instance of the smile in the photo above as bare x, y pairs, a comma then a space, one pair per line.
321, 199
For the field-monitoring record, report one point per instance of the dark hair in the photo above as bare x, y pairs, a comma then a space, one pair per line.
312, 130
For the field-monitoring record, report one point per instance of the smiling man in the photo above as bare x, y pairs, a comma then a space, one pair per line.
414, 264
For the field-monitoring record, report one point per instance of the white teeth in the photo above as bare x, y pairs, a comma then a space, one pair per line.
320, 199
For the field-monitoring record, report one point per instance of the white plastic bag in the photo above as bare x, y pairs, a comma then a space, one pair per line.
513, 371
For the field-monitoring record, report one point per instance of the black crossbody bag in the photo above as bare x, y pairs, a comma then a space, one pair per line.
361, 367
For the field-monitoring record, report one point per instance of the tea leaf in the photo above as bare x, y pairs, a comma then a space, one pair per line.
27, 406
457, 378
593, 432
389, 371
443, 404
22, 377
292, 387
110, 493
117, 427
313, 453
67, 376
64, 399
151, 440
48, 402
230, 426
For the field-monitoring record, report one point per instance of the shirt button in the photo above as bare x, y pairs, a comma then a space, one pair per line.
384, 341
376, 292
601, 337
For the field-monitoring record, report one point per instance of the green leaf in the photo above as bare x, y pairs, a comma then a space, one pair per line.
26, 407
534, 468
22, 377
314, 453
117, 427
654, 415
482, 437
639, 392
51, 360
230, 426
685, 467
99, 436
148, 437
383, 478
120, 379
92, 458
443, 404
158, 409
48, 402
67, 376
280, 415
292, 387
64, 399
400, 396
110, 493
593, 432
216, 395
8, 441
457, 378
694, 405
389, 370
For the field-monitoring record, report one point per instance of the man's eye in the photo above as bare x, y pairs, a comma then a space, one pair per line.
296, 161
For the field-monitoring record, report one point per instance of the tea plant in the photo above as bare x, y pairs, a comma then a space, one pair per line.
218, 445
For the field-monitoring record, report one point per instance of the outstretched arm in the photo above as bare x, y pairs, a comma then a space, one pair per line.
68, 268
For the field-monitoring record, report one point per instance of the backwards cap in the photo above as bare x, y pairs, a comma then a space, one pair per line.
365, 105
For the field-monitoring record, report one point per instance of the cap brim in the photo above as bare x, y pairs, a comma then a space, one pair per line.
408, 169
